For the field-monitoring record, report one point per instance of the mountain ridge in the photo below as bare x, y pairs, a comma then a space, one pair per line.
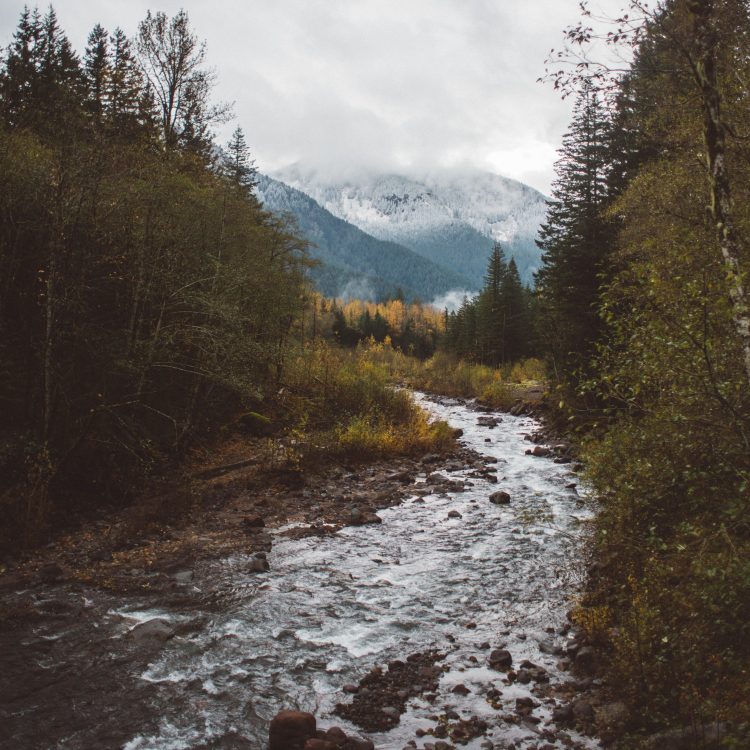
352, 262
452, 217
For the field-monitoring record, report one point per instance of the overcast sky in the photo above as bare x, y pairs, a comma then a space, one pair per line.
343, 85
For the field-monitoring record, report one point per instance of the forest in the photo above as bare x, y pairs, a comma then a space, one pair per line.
144, 289
643, 316
149, 304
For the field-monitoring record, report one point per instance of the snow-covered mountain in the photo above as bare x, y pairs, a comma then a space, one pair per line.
352, 262
450, 217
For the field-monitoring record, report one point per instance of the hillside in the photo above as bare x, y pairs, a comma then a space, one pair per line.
352, 262
450, 217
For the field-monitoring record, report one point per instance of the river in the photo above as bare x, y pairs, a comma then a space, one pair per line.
332, 608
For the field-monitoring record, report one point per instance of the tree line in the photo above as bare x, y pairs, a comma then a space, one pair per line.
644, 317
497, 326
144, 293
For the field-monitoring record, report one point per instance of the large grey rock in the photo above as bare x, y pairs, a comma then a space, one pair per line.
153, 631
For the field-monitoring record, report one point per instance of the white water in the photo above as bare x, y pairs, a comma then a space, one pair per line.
332, 608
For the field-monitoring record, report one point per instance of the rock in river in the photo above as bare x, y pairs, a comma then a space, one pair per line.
154, 631
500, 659
290, 730
500, 498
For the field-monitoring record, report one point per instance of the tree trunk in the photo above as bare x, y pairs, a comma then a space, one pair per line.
714, 134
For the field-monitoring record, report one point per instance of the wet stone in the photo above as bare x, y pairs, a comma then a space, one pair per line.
290, 730
500, 498
152, 631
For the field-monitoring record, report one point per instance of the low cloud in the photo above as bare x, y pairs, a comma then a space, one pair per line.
452, 300
358, 289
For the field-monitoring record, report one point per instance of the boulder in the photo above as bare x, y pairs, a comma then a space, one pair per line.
540, 451
405, 477
355, 743
318, 744
157, 630
290, 730
500, 659
183, 576
431, 458
454, 514
258, 565
563, 715
500, 498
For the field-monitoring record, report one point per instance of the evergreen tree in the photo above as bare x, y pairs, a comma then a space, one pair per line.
238, 165
128, 107
96, 67
574, 240
20, 77
515, 315
490, 311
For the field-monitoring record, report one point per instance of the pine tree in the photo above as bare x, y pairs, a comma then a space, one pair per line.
515, 315
238, 165
96, 66
20, 78
129, 106
490, 311
574, 239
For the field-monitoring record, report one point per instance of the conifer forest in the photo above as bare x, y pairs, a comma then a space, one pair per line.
277, 472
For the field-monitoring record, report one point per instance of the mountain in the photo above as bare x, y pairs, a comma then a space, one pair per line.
354, 263
450, 217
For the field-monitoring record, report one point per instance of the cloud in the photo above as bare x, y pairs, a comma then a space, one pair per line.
357, 289
452, 299
375, 84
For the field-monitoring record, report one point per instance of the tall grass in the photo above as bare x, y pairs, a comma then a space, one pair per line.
344, 403
445, 375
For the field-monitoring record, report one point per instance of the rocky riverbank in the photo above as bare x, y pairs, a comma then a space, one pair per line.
82, 620
63, 660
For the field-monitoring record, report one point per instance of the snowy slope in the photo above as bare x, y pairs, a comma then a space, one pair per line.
352, 262
451, 217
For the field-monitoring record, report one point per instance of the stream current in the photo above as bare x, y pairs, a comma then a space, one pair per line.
331, 608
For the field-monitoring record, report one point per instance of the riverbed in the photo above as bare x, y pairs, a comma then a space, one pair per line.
331, 608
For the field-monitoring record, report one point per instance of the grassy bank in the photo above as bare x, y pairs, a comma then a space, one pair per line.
445, 375
342, 403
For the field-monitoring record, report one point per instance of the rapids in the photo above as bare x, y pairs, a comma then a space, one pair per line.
332, 608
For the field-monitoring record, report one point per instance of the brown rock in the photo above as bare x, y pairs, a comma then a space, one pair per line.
316, 744
500, 498
290, 730
336, 735
253, 522
501, 659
